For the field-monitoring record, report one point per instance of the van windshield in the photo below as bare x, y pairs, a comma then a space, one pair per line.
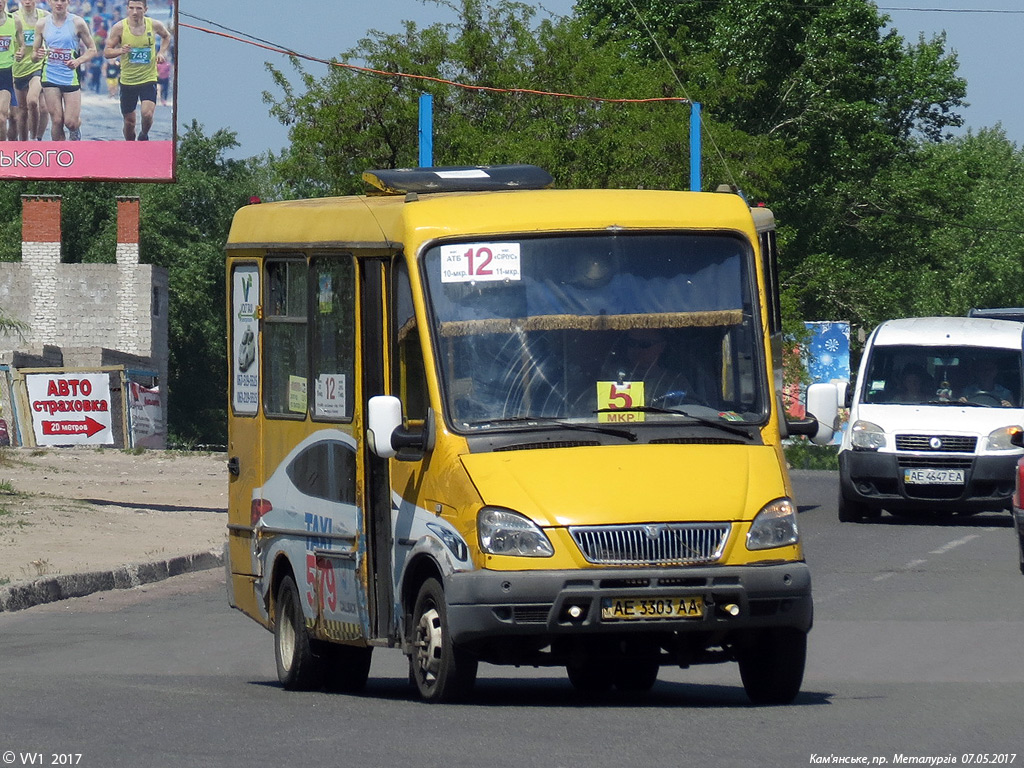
575, 326
978, 376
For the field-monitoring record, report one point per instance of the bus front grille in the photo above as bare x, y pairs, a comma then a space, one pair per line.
652, 544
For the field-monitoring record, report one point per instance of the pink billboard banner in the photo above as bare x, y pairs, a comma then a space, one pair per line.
87, 160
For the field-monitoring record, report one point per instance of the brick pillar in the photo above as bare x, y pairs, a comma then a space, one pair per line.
127, 230
131, 318
40, 252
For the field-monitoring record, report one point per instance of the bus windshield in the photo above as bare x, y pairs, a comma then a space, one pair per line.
576, 327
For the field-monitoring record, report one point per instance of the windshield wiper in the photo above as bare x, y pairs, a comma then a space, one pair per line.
679, 412
546, 420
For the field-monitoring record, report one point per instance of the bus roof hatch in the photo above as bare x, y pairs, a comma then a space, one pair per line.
481, 178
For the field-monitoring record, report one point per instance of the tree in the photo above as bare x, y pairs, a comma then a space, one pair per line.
346, 122
185, 228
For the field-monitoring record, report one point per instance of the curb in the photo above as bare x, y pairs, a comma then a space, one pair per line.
50, 589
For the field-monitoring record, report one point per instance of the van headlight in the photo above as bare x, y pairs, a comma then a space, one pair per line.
504, 532
999, 439
865, 436
774, 526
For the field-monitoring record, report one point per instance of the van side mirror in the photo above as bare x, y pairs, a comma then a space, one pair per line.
389, 439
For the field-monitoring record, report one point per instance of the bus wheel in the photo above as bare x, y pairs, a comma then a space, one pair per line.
589, 677
772, 665
636, 675
297, 668
346, 667
440, 670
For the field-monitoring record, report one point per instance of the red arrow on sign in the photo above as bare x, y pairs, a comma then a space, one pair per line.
89, 427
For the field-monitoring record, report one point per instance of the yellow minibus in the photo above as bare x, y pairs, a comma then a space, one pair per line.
483, 420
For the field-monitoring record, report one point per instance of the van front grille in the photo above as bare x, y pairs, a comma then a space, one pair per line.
944, 443
652, 544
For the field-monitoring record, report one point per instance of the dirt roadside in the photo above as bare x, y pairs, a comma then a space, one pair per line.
77, 510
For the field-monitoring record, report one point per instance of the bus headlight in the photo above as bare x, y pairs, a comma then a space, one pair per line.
504, 532
865, 436
774, 526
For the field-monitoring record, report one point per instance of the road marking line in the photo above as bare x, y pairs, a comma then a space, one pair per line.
953, 544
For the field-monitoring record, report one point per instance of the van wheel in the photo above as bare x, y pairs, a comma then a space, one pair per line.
852, 511
346, 667
772, 665
440, 670
297, 668
589, 677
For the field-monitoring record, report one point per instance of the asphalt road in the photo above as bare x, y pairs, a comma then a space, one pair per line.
916, 652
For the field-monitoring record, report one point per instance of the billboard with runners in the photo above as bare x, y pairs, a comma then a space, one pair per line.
88, 90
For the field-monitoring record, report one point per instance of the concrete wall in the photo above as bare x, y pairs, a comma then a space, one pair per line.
83, 315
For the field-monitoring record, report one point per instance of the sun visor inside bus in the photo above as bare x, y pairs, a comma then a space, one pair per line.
483, 178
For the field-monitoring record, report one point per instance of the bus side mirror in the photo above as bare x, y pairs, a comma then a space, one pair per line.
388, 438
822, 411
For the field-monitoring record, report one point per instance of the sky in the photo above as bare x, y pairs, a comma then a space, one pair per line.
221, 80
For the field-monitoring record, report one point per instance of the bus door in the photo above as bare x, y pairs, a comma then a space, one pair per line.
309, 500
396, 484
245, 434
378, 479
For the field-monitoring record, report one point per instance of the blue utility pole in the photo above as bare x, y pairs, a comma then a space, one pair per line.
426, 131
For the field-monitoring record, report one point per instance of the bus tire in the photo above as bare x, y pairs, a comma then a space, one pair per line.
772, 665
346, 667
440, 670
297, 668
636, 675
589, 677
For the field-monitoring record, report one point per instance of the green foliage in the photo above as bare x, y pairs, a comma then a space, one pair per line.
811, 106
185, 228
801, 453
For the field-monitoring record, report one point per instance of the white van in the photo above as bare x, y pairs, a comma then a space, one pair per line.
936, 402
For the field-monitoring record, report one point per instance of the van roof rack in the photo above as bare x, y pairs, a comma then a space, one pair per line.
474, 178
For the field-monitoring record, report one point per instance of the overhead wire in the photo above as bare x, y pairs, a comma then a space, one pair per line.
242, 37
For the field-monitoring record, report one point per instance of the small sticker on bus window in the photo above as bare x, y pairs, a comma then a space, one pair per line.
620, 394
877, 386
480, 263
297, 394
330, 396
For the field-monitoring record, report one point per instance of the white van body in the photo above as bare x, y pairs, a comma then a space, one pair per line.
947, 450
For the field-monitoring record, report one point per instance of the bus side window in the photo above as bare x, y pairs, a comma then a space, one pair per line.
284, 333
411, 383
334, 336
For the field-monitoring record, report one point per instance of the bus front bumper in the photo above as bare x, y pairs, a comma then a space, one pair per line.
483, 604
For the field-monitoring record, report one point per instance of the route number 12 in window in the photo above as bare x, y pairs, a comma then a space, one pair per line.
480, 263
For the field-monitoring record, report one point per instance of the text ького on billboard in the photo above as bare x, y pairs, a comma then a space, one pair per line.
103, 151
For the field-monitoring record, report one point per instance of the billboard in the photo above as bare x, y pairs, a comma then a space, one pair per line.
70, 409
92, 98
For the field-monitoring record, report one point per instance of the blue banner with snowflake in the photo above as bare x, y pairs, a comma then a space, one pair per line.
828, 352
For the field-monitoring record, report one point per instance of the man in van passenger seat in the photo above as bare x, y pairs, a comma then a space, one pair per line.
984, 381
915, 385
